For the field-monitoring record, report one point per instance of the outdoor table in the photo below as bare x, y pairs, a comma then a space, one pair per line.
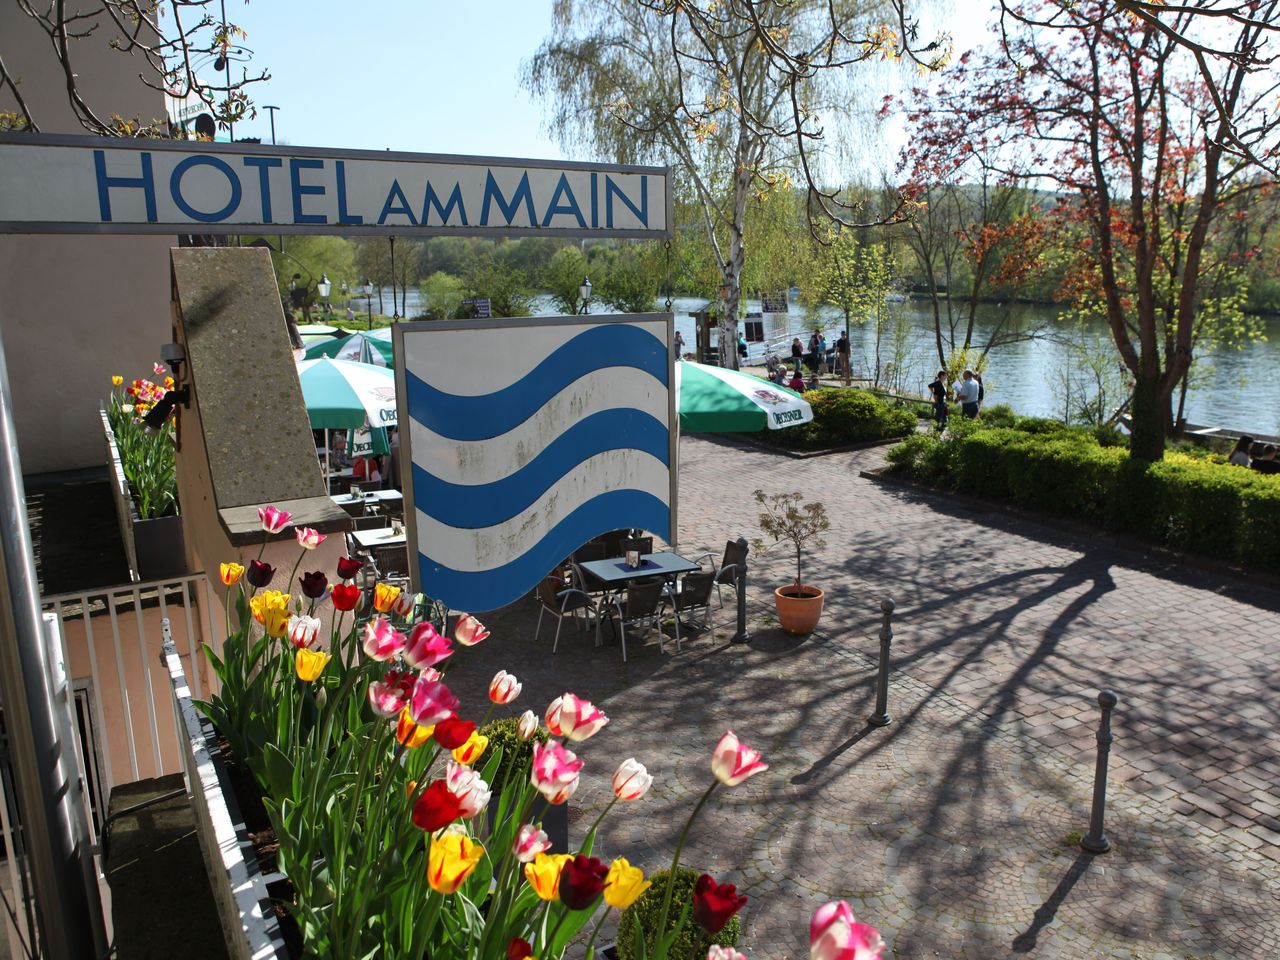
368, 497
379, 537
616, 574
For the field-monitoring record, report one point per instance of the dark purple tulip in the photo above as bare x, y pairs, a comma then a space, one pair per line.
260, 574
314, 584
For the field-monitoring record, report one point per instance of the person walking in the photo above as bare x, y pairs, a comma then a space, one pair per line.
967, 394
797, 351
679, 345
814, 357
842, 358
938, 391
822, 353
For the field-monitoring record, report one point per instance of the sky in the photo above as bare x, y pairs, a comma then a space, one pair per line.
424, 76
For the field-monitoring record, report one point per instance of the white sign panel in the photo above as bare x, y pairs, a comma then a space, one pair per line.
64, 184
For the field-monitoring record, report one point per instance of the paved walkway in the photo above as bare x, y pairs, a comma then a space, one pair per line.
949, 828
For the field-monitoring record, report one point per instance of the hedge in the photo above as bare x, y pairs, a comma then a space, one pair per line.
842, 417
1188, 503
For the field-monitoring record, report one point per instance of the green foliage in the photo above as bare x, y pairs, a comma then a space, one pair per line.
842, 417
786, 520
517, 754
643, 916
508, 291
442, 295
562, 277
147, 461
630, 285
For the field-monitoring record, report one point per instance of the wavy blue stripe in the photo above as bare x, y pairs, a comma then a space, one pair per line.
490, 589
493, 414
487, 504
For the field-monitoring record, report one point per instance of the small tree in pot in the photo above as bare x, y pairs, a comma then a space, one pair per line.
786, 520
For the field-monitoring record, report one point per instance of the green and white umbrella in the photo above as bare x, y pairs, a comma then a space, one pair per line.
344, 395
716, 400
356, 346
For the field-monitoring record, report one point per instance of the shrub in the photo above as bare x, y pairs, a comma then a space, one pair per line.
517, 754
647, 909
842, 417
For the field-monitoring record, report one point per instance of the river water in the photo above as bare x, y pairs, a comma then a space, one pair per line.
1235, 389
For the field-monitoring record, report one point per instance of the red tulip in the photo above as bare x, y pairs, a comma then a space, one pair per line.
437, 807
581, 881
348, 567
452, 733
714, 904
345, 596
519, 949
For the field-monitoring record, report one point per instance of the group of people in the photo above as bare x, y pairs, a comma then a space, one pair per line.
375, 469
969, 393
819, 357
1256, 456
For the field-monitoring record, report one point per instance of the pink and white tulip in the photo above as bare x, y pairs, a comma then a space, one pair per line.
308, 538
552, 717
303, 631
530, 842
469, 787
575, 718
733, 761
273, 518
555, 771
527, 725
631, 780
504, 687
834, 934
469, 631
717, 952
431, 702
388, 696
426, 647
402, 606
381, 641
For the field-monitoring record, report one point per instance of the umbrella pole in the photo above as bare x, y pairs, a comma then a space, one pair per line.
327, 485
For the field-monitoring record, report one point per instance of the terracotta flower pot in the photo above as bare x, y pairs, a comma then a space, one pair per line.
799, 607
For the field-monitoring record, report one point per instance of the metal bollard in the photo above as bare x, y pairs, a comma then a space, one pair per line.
740, 586
881, 717
1095, 841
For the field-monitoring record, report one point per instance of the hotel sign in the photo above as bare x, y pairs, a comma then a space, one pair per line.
77, 184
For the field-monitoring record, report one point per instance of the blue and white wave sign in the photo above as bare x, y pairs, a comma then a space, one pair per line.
527, 439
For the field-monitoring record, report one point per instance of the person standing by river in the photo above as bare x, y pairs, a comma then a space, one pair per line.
967, 394
938, 391
842, 357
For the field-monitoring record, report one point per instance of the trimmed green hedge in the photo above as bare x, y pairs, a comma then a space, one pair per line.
842, 417
693, 942
1185, 502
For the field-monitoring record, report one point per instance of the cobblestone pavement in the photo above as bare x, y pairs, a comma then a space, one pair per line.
949, 828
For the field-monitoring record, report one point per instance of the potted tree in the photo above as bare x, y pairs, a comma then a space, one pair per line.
786, 520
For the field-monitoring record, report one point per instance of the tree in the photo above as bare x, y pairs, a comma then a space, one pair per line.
630, 284
507, 290
1117, 114
442, 295
563, 276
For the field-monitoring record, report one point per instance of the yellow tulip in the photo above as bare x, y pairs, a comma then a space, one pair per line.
271, 609
309, 663
384, 595
411, 734
470, 751
231, 573
544, 874
117, 380
452, 857
624, 884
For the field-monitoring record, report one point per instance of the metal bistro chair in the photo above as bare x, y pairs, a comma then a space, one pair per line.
641, 606
369, 523
562, 601
731, 564
694, 596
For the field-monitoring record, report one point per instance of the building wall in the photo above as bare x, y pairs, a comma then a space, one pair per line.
76, 310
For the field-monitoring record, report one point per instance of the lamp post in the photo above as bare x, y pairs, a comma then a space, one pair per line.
584, 291
323, 288
368, 300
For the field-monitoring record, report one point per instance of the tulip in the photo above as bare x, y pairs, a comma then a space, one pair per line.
469, 631
314, 584
425, 647
544, 874
274, 519
470, 751
345, 596
230, 573
732, 762
380, 640
158, 370
452, 857
383, 596
431, 702
308, 538
504, 687
581, 881
303, 630
555, 771
624, 884
553, 717
259, 573
530, 841
116, 380
520, 949
469, 787
271, 609
409, 733
388, 696
714, 904
631, 780
310, 663
348, 567
436, 807
452, 732
576, 718
527, 725
835, 935
403, 605
717, 952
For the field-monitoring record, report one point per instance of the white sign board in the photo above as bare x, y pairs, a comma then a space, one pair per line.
73, 184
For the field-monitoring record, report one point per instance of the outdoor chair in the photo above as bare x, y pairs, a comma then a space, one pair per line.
585, 581
353, 508
694, 597
561, 601
612, 542
726, 575
376, 522
640, 607
392, 560
594, 550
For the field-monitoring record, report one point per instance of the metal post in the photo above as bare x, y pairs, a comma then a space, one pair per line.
881, 717
740, 588
1095, 841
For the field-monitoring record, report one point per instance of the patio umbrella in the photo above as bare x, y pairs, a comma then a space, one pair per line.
715, 400
343, 394
355, 346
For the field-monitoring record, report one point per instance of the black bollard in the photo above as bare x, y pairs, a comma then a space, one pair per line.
1095, 841
881, 717
740, 587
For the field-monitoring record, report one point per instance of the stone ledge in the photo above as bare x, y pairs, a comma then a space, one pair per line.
243, 528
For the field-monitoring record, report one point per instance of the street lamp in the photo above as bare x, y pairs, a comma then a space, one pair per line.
323, 288
368, 299
584, 291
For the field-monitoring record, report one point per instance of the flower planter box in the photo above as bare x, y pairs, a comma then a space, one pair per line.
239, 886
154, 548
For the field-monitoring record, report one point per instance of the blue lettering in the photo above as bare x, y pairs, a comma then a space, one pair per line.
397, 195
299, 190
571, 206
611, 190
595, 201
343, 216
146, 182
200, 160
264, 180
493, 192
455, 200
